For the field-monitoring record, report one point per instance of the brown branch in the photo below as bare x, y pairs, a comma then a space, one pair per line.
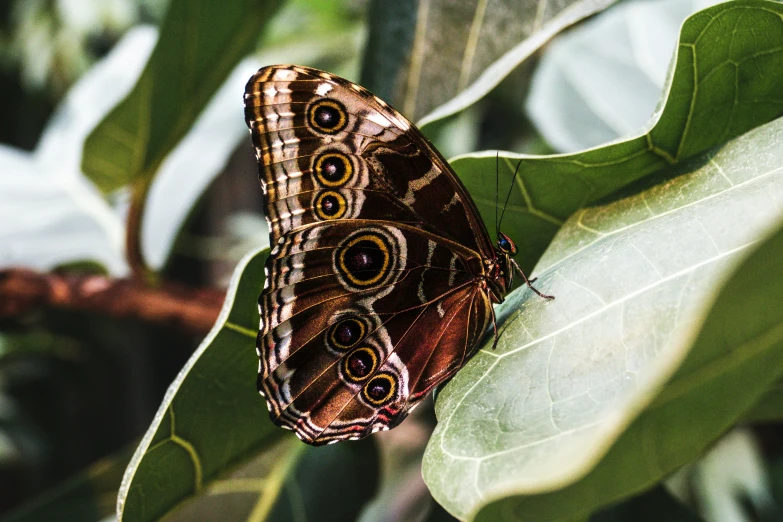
191, 310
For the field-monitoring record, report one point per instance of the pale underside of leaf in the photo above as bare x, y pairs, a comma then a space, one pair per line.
633, 280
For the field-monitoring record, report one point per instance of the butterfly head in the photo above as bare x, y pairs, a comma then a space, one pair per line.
500, 274
505, 245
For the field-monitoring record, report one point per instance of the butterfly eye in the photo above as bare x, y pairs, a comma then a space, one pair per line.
327, 116
506, 245
360, 364
380, 389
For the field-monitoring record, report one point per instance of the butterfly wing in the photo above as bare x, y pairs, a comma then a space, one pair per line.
330, 149
374, 285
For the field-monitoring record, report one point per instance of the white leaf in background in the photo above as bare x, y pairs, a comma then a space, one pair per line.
193, 165
726, 481
50, 213
46, 220
603, 80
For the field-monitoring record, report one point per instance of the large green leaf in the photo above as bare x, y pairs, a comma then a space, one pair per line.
525, 430
769, 408
212, 417
200, 43
212, 449
421, 55
726, 80
290, 481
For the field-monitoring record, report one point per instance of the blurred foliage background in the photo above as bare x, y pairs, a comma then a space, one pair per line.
124, 155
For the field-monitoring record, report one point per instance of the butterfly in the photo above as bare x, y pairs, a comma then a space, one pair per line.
382, 276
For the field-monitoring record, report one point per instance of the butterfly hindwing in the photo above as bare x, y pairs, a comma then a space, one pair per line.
324, 401
410, 317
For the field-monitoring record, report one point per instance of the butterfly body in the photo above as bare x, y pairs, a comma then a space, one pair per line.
382, 275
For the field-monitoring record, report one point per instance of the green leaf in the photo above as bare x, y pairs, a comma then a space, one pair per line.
527, 428
324, 35
402, 491
212, 417
291, 481
769, 408
212, 449
727, 80
331, 483
775, 474
200, 43
442, 51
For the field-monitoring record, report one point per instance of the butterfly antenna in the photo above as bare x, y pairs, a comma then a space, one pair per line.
516, 171
497, 181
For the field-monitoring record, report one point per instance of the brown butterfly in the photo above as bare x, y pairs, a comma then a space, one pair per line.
382, 275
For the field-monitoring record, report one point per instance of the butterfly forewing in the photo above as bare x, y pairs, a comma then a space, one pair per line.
375, 288
369, 153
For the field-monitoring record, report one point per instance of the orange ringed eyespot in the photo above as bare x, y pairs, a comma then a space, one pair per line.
330, 205
347, 333
327, 116
365, 260
360, 364
380, 389
333, 169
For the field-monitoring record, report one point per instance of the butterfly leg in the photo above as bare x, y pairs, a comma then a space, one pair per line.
528, 282
495, 327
